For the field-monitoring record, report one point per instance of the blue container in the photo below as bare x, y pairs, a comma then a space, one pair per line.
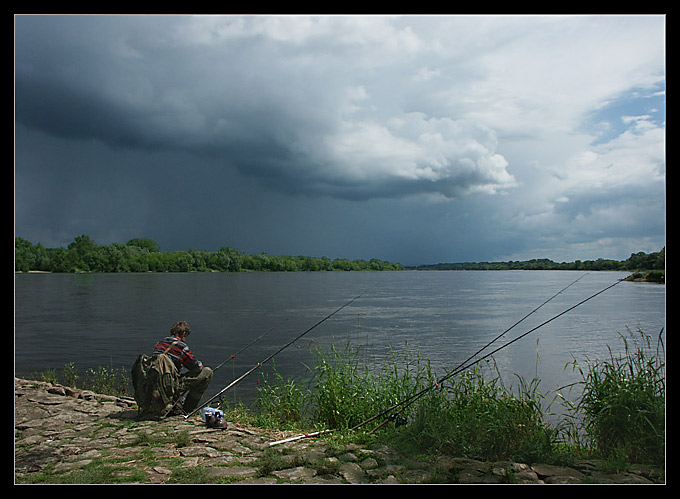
210, 410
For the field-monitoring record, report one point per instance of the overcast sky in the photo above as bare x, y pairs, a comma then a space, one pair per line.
414, 139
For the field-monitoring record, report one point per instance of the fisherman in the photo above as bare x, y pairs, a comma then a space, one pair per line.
195, 380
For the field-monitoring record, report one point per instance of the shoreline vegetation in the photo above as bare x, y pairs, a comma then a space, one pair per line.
145, 255
640, 263
618, 421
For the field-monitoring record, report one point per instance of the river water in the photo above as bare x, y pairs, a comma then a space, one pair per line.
108, 319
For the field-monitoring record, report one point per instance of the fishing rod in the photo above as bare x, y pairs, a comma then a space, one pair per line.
238, 380
487, 345
460, 367
182, 397
463, 366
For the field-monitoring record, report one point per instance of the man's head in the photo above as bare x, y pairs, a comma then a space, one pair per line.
180, 330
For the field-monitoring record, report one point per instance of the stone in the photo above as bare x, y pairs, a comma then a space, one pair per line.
70, 465
258, 481
296, 474
231, 471
545, 471
369, 464
353, 473
526, 476
198, 450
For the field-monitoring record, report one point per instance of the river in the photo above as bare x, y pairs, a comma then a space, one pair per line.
445, 316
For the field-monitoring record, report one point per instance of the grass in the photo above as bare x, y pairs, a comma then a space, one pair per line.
103, 379
96, 472
468, 416
622, 408
619, 417
478, 418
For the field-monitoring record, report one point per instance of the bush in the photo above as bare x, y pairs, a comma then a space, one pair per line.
347, 392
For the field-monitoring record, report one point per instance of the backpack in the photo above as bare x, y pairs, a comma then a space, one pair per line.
156, 384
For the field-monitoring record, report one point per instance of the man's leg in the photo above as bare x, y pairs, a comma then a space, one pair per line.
196, 386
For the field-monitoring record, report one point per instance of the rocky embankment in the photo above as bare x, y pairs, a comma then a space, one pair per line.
63, 435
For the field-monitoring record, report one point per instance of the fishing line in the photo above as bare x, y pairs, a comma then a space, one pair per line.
237, 380
520, 321
233, 357
464, 366
461, 366
488, 344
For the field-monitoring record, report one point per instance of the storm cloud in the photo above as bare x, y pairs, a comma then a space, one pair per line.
253, 93
486, 120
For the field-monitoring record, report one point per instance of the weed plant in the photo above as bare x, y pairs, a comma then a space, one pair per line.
466, 416
475, 417
347, 391
281, 403
103, 379
619, 416
621, 412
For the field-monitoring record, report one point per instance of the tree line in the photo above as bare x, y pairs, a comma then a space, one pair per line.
636, 262
145, 255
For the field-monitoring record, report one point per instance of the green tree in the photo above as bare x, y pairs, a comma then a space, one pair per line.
82, 250
225, 260
62, 260
145, 243
200, 260
82, 245
113, 258
23, 256
136, 258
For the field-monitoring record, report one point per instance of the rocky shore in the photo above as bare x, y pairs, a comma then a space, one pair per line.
65, 435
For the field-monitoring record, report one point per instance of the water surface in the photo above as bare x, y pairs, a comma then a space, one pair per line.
108, 319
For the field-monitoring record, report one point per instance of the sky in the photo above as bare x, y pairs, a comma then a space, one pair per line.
413, 139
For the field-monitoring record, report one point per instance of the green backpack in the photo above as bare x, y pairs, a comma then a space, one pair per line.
156, 384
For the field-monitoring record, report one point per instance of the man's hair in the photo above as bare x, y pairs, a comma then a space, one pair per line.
180, 328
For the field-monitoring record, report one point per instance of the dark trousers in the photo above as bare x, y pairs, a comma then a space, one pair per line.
196, 385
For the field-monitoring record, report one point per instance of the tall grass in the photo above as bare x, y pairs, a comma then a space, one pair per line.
106, 380
345, 390
466, 416
621, 412
348, 391
473, 416
280, 403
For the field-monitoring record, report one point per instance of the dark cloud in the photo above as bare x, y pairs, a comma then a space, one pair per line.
338, 136
264, 110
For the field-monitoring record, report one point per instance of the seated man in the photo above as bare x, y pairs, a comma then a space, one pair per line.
197, 377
